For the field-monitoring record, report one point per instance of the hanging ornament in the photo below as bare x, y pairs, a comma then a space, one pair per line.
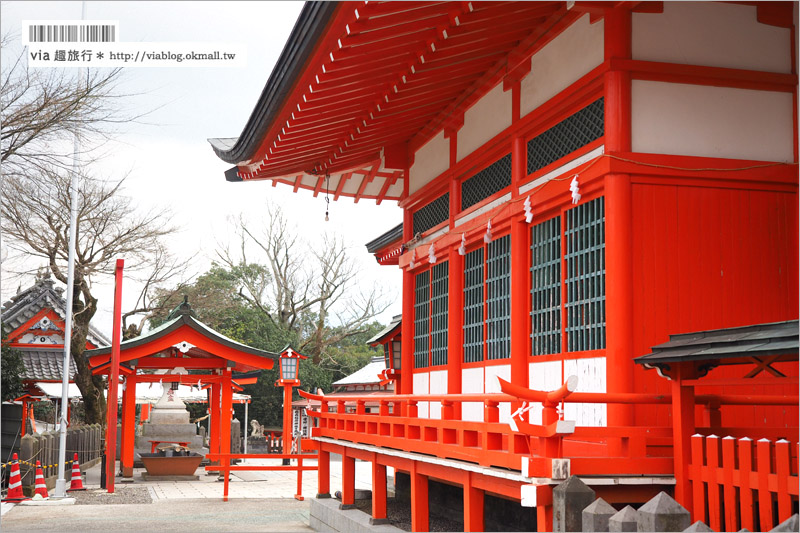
528, 210
412, 265
487, 237
327, 197
462, 250
573, 187
431, 255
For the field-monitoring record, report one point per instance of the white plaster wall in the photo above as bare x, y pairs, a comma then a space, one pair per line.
486, 118
591, 378
543, 376
561, 62
472, 383
437, 385
492, 386
711, 34
429, 161
421, 384
681, 119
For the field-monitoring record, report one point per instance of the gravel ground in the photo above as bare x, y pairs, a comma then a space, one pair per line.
399, 515
122, 495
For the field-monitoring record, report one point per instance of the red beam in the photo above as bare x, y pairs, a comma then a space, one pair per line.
111, 412
342, 181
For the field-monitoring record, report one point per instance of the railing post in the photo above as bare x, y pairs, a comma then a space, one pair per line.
323, 418
491, 413
413, 410
340, 407
361, 407
550, 446
383, 408
448, 410
299, 494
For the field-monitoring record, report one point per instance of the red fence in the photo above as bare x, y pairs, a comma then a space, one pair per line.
736, 484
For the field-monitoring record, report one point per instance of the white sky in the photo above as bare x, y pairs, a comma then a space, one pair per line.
170, 162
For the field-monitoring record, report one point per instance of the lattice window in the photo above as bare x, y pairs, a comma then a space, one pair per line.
567, 136
546, 287
432, 214
485, 183
586, 276
473, 306
498, 298
439, 280
421, 319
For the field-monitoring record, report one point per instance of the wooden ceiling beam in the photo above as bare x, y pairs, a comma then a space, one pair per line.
342, 182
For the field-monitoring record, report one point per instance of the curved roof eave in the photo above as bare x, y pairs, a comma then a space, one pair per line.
177, 322
310, 25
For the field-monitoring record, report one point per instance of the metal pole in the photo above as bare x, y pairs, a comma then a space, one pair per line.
246, 403
61, 481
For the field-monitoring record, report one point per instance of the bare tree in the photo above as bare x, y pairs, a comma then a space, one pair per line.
35, 222
301, 289
42, 108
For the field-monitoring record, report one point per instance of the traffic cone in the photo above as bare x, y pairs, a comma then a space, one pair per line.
76, 483
41, 487
15, 483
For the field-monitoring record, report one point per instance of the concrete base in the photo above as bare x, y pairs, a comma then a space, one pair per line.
148, 477
346, 506
378, 521
323, 496
53, 501
325, 515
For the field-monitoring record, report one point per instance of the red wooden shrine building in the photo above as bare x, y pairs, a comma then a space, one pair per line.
193, 354
579, 182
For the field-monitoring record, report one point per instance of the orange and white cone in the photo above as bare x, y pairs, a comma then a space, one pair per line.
15, 483
76, 483
41, 487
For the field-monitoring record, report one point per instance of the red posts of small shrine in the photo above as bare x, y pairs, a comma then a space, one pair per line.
378, 492
324, 474
113, 381
473, 505
683, 427
225, 414
419, 501
128, 426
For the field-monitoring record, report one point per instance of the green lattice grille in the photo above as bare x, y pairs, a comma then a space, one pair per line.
432, 214
586, 277
485, 183
498, 298
567, 136
473, 306
546, 287
421, 319
439, 281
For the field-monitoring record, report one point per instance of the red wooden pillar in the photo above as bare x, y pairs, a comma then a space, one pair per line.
213, 430
24, 417
520, 301
113, 381
348, 481
128, 426
225, 414
683, 427
407, 327
324, 474
378, 493
455, 344
144, 416
473, 505
419, 500
619, 242
287, 419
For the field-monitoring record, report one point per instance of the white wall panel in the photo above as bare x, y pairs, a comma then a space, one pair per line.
712, 34
695, 120
591, 378
421, 386
486, 118
437, 385
472, 383
561, 62
543, 376
429, 162
492, 386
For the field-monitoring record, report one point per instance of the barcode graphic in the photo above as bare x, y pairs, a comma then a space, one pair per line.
72, 33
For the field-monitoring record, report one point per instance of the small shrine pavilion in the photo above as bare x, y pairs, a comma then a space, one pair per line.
192, 354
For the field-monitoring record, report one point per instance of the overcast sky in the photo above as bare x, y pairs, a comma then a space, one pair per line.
169, 160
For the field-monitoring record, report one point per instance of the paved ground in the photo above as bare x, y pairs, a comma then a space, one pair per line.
258, 501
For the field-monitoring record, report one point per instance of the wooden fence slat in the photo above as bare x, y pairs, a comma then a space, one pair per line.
745, 491
729, 489
712, 455
698, 492
764, 495
783, 470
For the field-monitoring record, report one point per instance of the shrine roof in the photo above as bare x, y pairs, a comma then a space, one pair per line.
183, 316
776, 338
391, 236
44, 364
388, 331
359, 86
367, 375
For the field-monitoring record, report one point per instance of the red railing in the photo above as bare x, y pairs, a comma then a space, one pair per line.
742, 484
226, 468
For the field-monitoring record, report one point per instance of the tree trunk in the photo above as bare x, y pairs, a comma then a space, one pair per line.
91, 386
